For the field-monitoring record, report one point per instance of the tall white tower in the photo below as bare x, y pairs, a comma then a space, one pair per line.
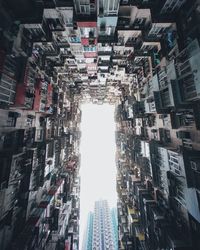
103, 228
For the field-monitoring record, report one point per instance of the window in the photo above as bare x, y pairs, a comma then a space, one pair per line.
111, 7
89, 48
74, 39
84, 9
87, 32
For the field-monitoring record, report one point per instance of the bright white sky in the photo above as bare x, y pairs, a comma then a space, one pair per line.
98, 169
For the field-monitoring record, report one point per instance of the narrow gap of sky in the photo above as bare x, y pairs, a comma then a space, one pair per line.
98, 168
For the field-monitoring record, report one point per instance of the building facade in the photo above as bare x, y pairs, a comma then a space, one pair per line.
101, 232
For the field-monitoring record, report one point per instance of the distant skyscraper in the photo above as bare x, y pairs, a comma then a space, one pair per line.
87, 238
101, 232
115, 225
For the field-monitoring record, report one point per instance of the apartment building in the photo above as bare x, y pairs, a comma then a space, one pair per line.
101, 228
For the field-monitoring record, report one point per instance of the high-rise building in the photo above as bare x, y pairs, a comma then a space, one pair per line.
88, 233
101, 232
